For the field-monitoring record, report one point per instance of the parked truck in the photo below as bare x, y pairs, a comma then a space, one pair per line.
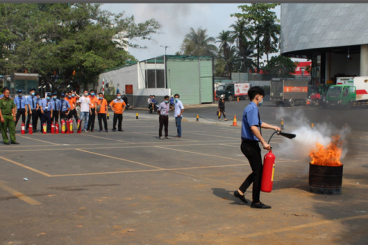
233, 91
288, 92
348, 91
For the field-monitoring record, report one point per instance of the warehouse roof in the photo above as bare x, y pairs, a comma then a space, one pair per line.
160, 60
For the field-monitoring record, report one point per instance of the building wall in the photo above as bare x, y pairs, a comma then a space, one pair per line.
124, 76
320, 25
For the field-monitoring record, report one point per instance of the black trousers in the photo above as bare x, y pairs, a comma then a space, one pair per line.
91, 121
102, 116
164, 121
252, 152
46, 118
40, 116
117, 117
221, 110
34, 117
23, 113
73, 113
55, 117
63, 115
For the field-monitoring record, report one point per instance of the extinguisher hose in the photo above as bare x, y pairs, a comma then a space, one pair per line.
271, 137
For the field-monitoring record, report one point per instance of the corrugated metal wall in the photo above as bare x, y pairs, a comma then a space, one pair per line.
192, 79
206, 81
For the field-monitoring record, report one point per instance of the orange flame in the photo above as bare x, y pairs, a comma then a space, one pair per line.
327, 156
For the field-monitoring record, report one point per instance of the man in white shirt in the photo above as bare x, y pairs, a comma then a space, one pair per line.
178, 114
84, 102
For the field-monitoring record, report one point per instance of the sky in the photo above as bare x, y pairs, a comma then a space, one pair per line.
176, 21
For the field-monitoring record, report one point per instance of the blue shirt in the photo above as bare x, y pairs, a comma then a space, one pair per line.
20, 103
32, 102
153, 101
250, 118
64, 105
46, 105
52, 104
171, 100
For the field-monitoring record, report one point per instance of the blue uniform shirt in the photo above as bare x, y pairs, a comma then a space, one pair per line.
32, 102
250, 118
20, 103
54, 105
46, 105
64, 105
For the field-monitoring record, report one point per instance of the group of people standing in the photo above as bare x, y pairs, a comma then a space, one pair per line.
50, 109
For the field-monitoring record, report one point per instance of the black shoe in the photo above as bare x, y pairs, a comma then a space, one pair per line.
121, 130
259, 205
241, 197
7, 143
15, 143
114, 130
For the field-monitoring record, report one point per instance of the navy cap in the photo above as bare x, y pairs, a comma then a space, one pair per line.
55, 93
37, 93
19, 91
31, 89
62, 94
48, 94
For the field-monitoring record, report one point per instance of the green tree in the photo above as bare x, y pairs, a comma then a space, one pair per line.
258, 14
281, 66
63, 38
225, 41
242, 33
198, 43
269, 31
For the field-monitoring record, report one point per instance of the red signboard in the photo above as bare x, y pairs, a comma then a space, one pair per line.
129, 89
295, 89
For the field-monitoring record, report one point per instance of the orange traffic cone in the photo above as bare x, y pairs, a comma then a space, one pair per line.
237, 99
234, 122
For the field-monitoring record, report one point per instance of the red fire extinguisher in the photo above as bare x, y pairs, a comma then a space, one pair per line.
67, 126
79, 127
269, 165
30, 128
268, 172
23, 127
57, 128
71, 126
44, 128
52, 128
62, 126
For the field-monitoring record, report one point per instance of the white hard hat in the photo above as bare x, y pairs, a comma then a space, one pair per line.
222, 96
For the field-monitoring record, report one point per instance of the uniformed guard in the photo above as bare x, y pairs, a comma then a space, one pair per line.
20, 103
64, 107
31, 103
7, 117
46, 111
55, 106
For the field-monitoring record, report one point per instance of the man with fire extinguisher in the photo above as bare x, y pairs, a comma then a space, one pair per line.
251, 136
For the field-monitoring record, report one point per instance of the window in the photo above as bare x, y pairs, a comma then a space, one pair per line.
155, 78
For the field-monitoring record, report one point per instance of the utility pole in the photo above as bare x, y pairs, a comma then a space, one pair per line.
165, 47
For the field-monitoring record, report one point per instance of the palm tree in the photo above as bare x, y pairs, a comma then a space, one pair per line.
269, 30
242, 33
198, 43
225, 40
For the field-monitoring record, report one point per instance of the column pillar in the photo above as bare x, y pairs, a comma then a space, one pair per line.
364, 60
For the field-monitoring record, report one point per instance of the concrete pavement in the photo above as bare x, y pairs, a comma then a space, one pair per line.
132, 188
